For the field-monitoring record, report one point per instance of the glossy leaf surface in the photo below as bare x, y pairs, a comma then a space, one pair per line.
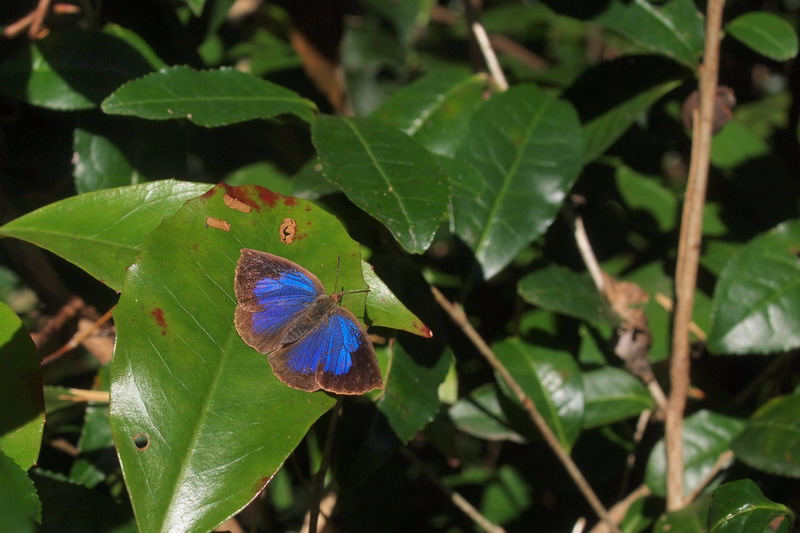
771, 438
528, 147
102, 232
189, 399
767, 34
208, 98
612, 394
385, 309
387, 174
740, 506
757, 298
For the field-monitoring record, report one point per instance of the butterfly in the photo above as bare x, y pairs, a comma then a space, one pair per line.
313, 343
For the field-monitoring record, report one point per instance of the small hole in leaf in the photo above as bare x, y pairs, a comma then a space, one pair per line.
141, 441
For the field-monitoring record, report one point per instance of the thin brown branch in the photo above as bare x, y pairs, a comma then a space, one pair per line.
620, 508
457, 499
722, 462
37, 24
460, 319
489, 56
67, 312
323, 467
78, 338
85, 395
689, 256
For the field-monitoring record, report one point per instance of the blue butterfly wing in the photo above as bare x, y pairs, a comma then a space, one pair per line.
336, 355
272, 294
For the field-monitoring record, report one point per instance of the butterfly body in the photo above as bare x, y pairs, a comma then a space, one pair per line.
312, 342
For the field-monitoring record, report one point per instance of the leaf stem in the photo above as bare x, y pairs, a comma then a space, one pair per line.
489, 56
323, 466
460, 319
689, 256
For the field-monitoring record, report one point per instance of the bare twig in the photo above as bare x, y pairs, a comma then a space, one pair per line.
587, 254
85, 395
460, 319
489, 57
323, 467
688, 257
620, 508
722, 462
666, 302
78, 338
457, 499
68, 311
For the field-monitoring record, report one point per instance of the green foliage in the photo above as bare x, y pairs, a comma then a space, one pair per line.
374, 154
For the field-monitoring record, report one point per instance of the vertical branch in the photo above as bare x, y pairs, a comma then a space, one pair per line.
689, 256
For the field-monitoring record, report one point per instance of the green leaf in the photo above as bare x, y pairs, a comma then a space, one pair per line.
407, 17
563, 291
757, 298
603, 131
506, 496
385, 173
385, 309
196, 6
410, 398
114, 152
690, 519
19, 503
553, 381
22, 415
480, 415
767, 34
771, 437
736, 144
740, 506
208, 98
612, 394
136, 42
200, 421
673, 28
706, 436
95, 443
645, 193
527, 146
68, 70
436, 109
102, 232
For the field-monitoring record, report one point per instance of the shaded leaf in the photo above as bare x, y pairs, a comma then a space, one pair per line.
527, 146
95, 446
21, 387
612, 394
19, 504
603, 131
771, 437
385, 173
645, 193
690, 519
767, 34
673, 28
208, 98
756, 306
479, 414
72, 69
740, 506
435, 109
706, 436
102, 232
506, 496
190, 400
736, 144
561, 290
409, 401
552, 380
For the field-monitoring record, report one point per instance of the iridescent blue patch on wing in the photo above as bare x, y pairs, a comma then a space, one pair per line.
281, 299
331, 342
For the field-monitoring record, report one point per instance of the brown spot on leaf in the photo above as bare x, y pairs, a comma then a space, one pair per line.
141, 441
289, 201
236, 204
287, 230
217, 223
158, 315
268, 197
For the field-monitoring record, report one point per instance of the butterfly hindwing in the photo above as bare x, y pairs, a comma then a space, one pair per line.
272, 292
336, 356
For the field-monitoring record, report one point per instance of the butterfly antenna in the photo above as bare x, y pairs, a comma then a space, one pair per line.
338, 264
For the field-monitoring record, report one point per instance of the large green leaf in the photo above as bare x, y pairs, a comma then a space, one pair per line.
706, 436
757, 298
602, 131
527, 145
564, 291
767, 34
19, 504
385, 173
771, 438
200, 422
435, 109
740, 506
673, 28
612, 394
102, 232
70, 69
22, 414
410, 400
208, 98
552, 380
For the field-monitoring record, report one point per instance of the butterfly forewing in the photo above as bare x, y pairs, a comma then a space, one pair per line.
312, 343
